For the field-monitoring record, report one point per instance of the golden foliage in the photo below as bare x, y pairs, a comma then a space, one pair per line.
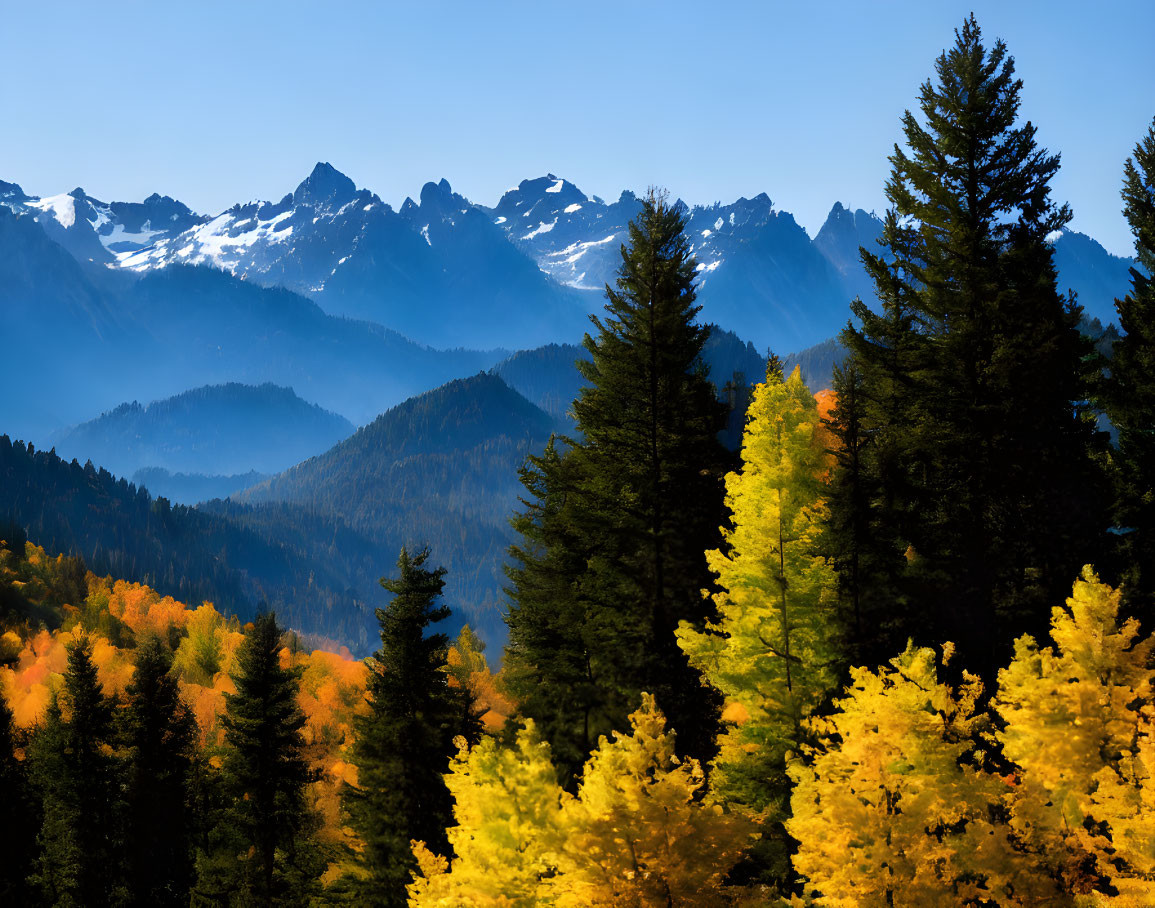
508, 814
773, 651
893, 810
1078, 724
468, 668
638, 832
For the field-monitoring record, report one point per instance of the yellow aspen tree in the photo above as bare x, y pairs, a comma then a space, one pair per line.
1077, 723
637, 834
892, 808
773, 651
507, 806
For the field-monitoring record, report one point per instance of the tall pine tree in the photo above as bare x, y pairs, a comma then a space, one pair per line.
404, 744
264, 850
550, 664
1130, 401
78, 778
847, 531
159, 732
985, 496
615, 535
20, 822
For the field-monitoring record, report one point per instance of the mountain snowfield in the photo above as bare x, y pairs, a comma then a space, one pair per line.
445, 271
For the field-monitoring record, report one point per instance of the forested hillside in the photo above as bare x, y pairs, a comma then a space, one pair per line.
119, 529
438, 470
191, 488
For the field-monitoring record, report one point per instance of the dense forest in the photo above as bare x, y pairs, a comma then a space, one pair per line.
887, 644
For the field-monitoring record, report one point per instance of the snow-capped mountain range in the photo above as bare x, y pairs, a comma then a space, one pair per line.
447, 272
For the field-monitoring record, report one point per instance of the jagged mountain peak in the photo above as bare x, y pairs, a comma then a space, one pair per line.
11, 192
547, 195
325, 188
440, 195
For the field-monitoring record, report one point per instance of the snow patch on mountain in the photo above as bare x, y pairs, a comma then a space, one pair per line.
62, 207
541, 228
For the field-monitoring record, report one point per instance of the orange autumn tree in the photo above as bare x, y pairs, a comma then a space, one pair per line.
469, 669
33, 660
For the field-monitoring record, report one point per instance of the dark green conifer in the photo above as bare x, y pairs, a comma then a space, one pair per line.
263, 850
847, 530
77, 777
1130, 393
160, 735
549, 664
20, 817
404, 744
986, 499
618, 525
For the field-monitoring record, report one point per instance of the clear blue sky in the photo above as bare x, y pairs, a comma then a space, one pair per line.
217, 102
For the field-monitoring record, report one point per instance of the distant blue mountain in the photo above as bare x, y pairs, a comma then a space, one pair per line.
106, 302
216, 430
78, 343
191, 488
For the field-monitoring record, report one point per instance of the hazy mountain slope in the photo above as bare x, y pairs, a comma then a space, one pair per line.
75, 349
223, 329
193, 488
440, 469
216, 429
548, 375
56, 328
839, 240
1096, 276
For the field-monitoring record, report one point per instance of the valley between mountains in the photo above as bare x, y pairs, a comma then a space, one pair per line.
260, 407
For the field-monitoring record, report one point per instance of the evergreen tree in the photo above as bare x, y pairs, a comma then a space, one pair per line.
1130, 401
550, 664
613, 554
263, 850
404, 744
985, 496
160, 734
78, 780
20, 821
847, 533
